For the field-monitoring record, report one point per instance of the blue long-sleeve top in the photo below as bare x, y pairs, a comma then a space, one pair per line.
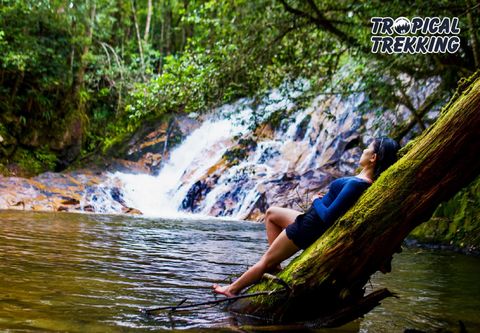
343, 193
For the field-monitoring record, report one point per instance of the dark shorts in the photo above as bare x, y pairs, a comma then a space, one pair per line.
306, 229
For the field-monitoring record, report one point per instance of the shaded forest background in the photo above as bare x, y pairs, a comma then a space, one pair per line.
78, 78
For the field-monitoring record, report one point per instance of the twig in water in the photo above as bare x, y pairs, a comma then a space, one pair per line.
217, 301
179, 304
276, 279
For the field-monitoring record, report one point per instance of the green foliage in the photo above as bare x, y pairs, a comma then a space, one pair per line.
60, 58
45, 157
3, 170
32, 163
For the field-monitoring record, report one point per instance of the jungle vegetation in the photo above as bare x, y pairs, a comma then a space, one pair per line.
78, 76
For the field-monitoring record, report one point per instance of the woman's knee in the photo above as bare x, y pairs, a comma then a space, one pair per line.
269, 214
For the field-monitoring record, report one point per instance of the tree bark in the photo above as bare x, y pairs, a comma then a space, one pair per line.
162, 38
80, 75
139, 39
473, 34
329, 277
168, 28
399, 132
147, 23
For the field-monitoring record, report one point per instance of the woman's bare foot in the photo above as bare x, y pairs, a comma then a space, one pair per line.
223, 290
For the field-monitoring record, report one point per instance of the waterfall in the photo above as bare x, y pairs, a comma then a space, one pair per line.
162, 195
279, 148
296, 157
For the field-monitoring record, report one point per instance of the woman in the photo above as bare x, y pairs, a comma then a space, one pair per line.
289, 230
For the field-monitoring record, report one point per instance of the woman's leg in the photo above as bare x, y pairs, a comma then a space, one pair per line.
277, 219
281, 249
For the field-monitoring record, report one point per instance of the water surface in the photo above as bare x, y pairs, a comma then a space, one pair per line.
92, 273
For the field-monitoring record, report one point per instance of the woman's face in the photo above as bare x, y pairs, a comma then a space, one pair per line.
368, 156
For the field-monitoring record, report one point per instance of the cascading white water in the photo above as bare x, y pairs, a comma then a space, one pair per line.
284, 153
162, 195
236, 164
329, 123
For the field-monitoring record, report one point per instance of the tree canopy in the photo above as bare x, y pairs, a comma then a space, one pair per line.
77, 76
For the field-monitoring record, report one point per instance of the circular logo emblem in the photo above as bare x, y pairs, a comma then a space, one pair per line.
402, 26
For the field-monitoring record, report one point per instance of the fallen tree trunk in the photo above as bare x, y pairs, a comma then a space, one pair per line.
328, 278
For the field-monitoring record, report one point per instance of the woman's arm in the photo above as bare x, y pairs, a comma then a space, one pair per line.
344, 200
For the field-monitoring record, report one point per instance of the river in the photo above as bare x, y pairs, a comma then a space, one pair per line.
92, 273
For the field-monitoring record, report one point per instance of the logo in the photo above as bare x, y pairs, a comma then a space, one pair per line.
418, 35
402, 26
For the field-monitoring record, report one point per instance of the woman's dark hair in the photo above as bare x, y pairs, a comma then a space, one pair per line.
386, 150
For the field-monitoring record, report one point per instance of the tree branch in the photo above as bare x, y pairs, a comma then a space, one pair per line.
400, 131
217, 301
322, 22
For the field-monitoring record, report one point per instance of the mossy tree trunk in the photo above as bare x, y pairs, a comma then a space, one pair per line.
327, 280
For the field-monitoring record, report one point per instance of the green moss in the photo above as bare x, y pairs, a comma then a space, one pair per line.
455, 222
464, 86
405, 149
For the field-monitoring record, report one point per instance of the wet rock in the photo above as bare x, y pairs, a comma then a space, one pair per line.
153, 161
131, 211
265, 131
117, 195
18, 203
241, 151
70, 201
268, 154
228, 202
194, 195
152, 143
88, 208
302, 128
198, 192
258, 210
47, 192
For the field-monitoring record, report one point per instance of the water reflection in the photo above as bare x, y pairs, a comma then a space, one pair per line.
77, 273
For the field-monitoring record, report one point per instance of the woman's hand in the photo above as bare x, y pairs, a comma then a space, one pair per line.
321, 193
